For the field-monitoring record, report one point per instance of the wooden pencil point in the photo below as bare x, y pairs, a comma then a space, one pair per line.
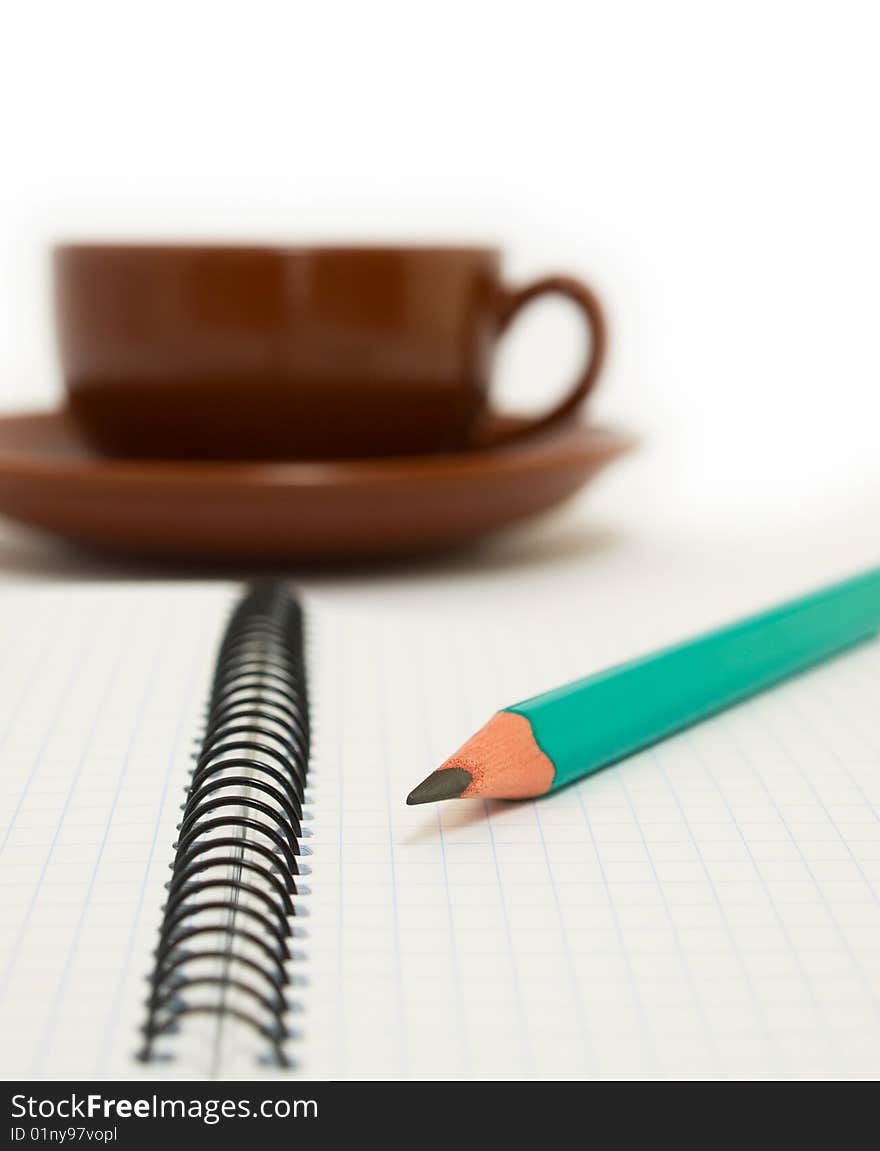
501, 761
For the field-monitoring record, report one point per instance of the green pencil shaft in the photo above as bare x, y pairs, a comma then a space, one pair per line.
595, 721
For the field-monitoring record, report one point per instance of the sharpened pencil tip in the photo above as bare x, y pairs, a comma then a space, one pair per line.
446, 783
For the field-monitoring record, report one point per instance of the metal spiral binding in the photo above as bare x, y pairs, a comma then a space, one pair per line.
235, 872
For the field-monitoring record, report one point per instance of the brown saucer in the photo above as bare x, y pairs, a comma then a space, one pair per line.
50, 478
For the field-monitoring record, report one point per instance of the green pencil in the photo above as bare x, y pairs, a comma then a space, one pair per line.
550, 740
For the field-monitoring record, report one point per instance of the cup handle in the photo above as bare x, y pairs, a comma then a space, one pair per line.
512, 301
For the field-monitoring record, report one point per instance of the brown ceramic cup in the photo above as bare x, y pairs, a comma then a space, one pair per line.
285, 353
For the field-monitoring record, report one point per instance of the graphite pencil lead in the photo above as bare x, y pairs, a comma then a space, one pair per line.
445, 783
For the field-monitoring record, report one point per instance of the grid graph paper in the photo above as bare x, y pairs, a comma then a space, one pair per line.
709, 908
101, 688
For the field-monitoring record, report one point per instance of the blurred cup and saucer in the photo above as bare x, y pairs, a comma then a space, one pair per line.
231, 401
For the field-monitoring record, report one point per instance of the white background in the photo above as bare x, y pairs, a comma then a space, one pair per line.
712, 169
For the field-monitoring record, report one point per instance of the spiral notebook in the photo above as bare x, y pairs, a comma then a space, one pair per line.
208, 870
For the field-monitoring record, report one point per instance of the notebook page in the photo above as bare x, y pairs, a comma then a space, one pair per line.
709, 908
102, 688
